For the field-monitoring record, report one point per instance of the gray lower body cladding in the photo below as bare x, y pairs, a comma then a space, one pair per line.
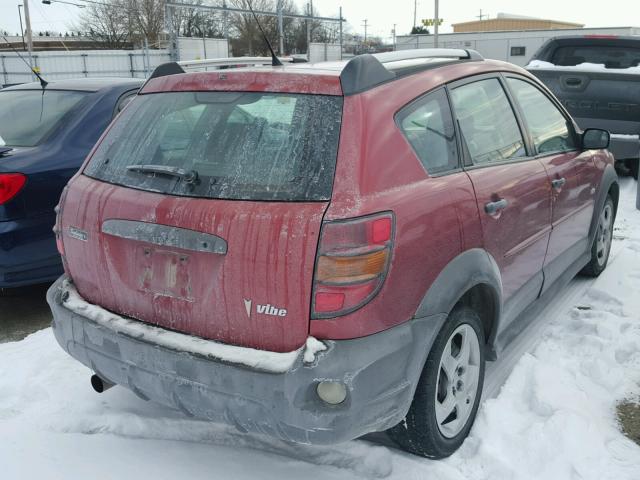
380, 371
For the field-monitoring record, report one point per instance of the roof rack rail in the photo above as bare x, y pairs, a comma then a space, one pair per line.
172, 68
367, 71
230, 62
415, 54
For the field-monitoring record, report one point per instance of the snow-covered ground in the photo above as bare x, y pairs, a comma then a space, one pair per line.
584, 67
554, 417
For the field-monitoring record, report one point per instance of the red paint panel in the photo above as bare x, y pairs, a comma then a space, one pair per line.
270, 260
428, 236
573, 203
516, 237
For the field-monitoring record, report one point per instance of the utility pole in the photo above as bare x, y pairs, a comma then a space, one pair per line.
393, 32
415, 12
24, 45
280, 28
481, 16
225, 20
27, 21
366, 23
436, 21
341, 36
173, 42
310, 7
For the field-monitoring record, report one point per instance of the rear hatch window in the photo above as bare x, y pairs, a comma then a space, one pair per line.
28, 116
224, 145
609, 56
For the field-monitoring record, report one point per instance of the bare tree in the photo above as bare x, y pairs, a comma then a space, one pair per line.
106, 23
195, 22
147, 18
247, 38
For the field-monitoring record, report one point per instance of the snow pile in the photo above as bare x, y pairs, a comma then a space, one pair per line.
312, 347
553, 419
555, 416
275, 362
584, 67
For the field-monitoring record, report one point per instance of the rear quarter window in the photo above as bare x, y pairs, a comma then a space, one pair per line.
428, 126
609, 56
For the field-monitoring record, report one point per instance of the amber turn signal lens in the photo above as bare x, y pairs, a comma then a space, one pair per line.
333, 269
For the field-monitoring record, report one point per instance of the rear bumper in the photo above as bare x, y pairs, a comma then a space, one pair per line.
28, 253
380, 372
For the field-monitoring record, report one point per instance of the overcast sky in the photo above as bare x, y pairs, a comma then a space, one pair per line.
382, 14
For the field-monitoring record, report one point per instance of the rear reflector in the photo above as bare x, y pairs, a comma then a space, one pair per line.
353, 259
329, 302
10, 185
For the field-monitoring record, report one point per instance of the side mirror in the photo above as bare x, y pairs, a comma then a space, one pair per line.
595, 139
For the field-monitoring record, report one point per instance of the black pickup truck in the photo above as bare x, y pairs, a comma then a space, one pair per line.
597, 78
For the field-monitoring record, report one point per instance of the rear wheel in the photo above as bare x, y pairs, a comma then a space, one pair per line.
446, 400
602, 241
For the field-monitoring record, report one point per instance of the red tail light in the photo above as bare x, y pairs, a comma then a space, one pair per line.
10, 185
353, 259
57, 229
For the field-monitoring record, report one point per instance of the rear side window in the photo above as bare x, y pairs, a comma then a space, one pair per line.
239, 145
489, 127
428, 126
28, 116
548, 126
609, 56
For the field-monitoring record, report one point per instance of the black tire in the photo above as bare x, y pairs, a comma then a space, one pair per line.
13, 292
598, 261
419, 433
10, 292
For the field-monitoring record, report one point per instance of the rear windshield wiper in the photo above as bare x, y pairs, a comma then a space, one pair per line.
4, 150
189, 176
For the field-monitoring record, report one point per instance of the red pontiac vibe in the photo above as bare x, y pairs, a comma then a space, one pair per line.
319, 251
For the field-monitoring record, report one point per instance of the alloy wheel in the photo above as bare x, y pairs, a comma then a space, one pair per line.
457, 381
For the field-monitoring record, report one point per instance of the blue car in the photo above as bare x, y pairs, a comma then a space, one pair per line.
44, 137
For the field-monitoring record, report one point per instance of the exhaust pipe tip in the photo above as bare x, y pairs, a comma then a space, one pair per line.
100, 385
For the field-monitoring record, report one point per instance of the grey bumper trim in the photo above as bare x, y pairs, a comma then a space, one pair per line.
380, 371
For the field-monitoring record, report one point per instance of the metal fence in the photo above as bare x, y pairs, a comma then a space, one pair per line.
192, 48
104, 63
82, 63
320, 52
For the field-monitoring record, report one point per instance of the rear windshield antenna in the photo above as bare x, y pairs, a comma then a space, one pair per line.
274, 60
43, 82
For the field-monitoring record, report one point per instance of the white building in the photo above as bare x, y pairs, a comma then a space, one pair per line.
512, 46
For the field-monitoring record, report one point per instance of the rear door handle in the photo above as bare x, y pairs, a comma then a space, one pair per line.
558, 183
493, 207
